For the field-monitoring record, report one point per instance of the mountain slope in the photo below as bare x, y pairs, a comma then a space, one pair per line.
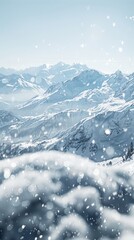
106, 135
15, 88
90, 88
66, 90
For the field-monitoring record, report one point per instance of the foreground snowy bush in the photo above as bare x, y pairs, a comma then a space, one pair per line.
56, 196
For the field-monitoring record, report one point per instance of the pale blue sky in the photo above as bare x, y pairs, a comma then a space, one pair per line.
99, 33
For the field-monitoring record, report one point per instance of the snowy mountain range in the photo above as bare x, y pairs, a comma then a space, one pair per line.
68, 108
25, 84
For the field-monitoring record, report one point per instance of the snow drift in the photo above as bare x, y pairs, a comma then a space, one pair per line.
58, 196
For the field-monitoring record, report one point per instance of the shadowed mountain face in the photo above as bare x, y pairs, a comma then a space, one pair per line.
60, 196
72, 109
104, 136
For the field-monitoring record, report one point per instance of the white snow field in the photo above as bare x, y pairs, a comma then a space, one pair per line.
57, 196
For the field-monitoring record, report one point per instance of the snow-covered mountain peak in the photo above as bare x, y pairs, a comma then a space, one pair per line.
118, 73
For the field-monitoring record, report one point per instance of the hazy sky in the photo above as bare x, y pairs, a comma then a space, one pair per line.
99, 33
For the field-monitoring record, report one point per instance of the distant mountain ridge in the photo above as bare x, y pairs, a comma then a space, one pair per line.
35, 80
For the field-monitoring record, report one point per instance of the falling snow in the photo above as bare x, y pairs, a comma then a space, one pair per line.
66, 129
